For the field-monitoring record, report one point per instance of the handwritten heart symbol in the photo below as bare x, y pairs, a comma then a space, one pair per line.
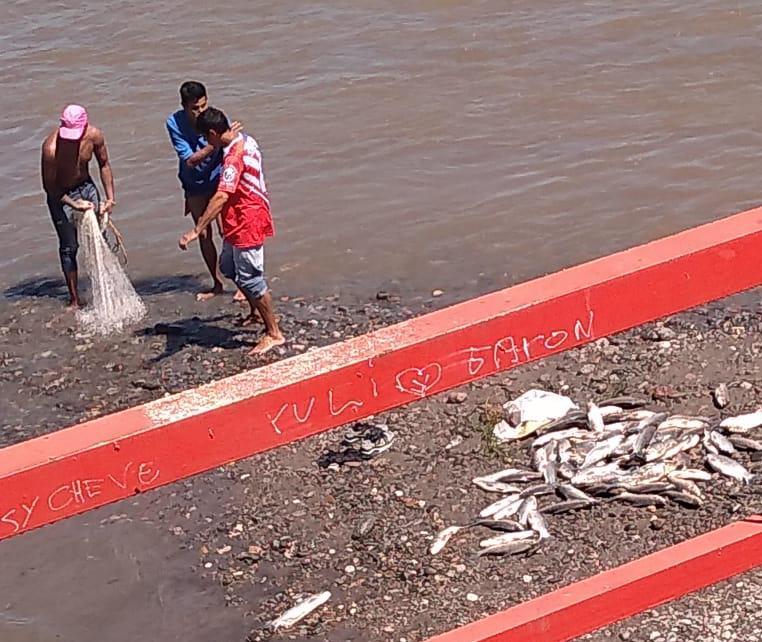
418, 381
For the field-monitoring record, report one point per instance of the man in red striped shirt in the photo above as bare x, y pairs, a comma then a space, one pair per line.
241, 197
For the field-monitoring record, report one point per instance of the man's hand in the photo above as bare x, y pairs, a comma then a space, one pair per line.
187, 238
107, 207
236, 127
81, 205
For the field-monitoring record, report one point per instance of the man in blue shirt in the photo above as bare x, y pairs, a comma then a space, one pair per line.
199, 171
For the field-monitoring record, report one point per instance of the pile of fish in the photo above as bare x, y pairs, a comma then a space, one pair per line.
613, 451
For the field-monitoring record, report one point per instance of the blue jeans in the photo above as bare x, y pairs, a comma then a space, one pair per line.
66, 227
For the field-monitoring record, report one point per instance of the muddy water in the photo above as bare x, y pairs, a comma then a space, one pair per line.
458, 145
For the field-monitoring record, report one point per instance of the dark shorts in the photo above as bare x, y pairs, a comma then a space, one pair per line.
66, 226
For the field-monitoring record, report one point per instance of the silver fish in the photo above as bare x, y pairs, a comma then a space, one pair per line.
686, 499
744, 443
683, 422
685, 485
495, 486
512, 475
557, 436
507, 538
550, 474
538, 524
722, 443
624, 402
730, 468
442, 537
602, 451
566, 470
670, 449
709, 444
505, 525
594, 417
565, 507
692, 474
648, 488
537, 489
500, 504
528, 505
511, 548
300, 611
639, 499
608, 411
571, 493
564, 451
508, 511
743, 424
598, 475
646, 430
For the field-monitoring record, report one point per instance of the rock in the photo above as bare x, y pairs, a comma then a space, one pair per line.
457, 397
472, 597
437, 293
381, 295
721, 396
587, 369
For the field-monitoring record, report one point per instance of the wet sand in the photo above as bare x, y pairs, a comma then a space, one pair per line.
240, 542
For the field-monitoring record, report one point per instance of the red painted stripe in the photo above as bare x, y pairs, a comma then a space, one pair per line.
613, 595
107, 459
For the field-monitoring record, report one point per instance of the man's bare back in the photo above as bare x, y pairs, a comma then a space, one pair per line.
71, 159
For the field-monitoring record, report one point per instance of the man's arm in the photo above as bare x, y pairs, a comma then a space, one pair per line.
183, 149
211, 212
107, 178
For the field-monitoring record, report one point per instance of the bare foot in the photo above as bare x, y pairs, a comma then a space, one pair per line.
267, 343
210, 294
239, 297
72, 306
252, 319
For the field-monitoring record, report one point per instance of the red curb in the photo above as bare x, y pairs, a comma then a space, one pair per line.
613, 595
80, 468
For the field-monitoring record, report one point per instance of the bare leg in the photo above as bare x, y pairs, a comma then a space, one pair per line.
71, 284
197, 205
273, 336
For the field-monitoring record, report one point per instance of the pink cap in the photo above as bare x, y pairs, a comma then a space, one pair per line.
73, 122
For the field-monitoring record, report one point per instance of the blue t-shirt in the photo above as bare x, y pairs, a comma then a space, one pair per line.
203, 178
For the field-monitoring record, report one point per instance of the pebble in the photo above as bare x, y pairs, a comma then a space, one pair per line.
436, 293
349, 569
527, 579
472, 597
457, 397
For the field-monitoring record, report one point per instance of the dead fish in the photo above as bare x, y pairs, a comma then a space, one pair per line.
648, 488
505, 525
566, 507
509, 511
529, 504
495, 486
640, 499
686, 499
507, 538
572, 419
744, 443
540, 459
671, 448
602, 451
594, 417
512, 475
742, 424
538, 524
442, 537
537, 490
692, 474
626, 403
500, 504
607, 411
730, 468
709, 444
685, 485
722, 443
566, 470
721, 396
550, 474
564, 449
570, 493
684, 422
511, 548
300, 611
558, 436
598, 475
646, 431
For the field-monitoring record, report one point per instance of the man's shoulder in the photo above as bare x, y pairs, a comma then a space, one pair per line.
175, 119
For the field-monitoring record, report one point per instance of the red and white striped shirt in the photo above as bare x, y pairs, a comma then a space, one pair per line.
246, 219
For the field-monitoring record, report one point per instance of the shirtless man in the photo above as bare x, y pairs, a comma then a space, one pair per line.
66, 155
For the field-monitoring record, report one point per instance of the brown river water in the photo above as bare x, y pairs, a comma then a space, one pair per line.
408, 146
